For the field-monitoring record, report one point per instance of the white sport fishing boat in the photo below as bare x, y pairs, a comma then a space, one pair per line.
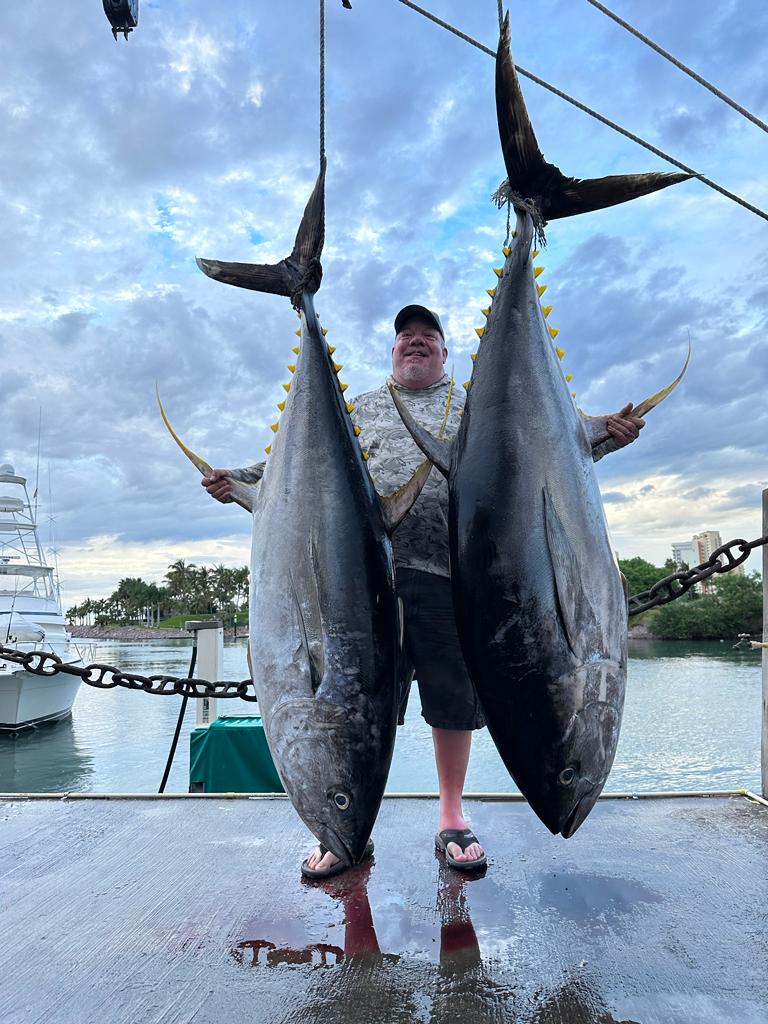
31, 617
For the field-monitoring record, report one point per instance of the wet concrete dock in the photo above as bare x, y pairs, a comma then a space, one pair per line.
191, 910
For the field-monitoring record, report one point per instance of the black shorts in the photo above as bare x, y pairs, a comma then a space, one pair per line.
433, 654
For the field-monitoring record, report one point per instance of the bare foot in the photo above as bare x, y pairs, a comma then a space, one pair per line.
319, 861
472, 852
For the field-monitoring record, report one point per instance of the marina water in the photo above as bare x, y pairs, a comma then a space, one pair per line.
691, 722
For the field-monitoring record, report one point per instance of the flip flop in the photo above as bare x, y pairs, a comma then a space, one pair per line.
463, 837
338, 867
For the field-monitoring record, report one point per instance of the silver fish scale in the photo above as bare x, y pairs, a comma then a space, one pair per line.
539, 602
324, 628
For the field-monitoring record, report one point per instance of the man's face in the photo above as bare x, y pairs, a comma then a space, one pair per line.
419, 354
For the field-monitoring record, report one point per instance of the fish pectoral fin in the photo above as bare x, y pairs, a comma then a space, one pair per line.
396, 506
532, 178
242, 494
300, 270
310, 625
595, 426
576, 612
437, 451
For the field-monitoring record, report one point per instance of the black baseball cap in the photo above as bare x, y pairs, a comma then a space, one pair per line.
407, 312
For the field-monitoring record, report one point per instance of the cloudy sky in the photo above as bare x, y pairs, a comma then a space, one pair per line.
199, 136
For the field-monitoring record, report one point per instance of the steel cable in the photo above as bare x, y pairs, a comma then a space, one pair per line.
588, 110
679, 64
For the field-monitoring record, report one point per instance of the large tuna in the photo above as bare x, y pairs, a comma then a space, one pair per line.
540, 603
325, 629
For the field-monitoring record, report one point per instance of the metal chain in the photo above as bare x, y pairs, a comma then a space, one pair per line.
106, 677
679, 583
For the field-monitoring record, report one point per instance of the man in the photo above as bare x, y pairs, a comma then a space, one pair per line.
420, 545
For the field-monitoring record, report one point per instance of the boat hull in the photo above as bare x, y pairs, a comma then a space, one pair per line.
26, 700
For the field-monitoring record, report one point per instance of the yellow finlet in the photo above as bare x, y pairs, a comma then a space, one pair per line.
365, 456
537, 271
569, 377
324, 330
560, 352
573, 394
350, 407
541, 288
498, 271
201, 464
281, 405
343, 386
486, 311
358, 431
467, 385
331, 349
506, 250
338, 366
268, 449
473, 355
297, 332
491, 291
546, 310
479, 331
554, 331
534, 253
292, 367
287, 387
295, 349
273, 427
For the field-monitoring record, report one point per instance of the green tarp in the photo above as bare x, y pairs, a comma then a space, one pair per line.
231, 756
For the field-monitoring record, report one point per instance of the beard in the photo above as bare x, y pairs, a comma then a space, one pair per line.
418, 371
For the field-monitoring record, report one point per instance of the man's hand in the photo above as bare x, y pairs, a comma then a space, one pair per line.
624, 428
218, 485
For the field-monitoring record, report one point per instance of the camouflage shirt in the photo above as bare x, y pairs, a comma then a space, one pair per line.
421, 540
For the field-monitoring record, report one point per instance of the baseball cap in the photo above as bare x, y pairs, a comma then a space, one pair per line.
407, 312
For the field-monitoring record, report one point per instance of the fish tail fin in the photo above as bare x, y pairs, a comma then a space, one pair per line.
532, 182
301, 271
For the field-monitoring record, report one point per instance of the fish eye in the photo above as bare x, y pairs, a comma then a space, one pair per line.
566, 776
342, 800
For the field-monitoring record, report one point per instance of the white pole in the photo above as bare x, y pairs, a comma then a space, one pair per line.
764, 753
210, 663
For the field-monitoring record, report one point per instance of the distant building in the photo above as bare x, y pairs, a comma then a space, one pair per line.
707, 542
685, 552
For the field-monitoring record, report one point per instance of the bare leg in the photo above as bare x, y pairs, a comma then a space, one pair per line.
452, 748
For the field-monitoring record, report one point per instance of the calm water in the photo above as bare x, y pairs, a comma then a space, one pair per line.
691, 721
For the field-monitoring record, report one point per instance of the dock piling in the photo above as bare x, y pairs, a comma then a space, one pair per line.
764, 744
209, 634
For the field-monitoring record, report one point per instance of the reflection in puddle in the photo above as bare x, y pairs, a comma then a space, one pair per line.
262, 952
335, 931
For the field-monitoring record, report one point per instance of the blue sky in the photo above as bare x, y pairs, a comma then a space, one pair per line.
199, 136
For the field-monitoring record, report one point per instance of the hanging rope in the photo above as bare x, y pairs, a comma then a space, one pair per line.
322, 82
592, 113
678, 64
500, 6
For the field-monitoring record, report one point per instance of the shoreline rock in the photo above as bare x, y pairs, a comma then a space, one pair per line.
138, 633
